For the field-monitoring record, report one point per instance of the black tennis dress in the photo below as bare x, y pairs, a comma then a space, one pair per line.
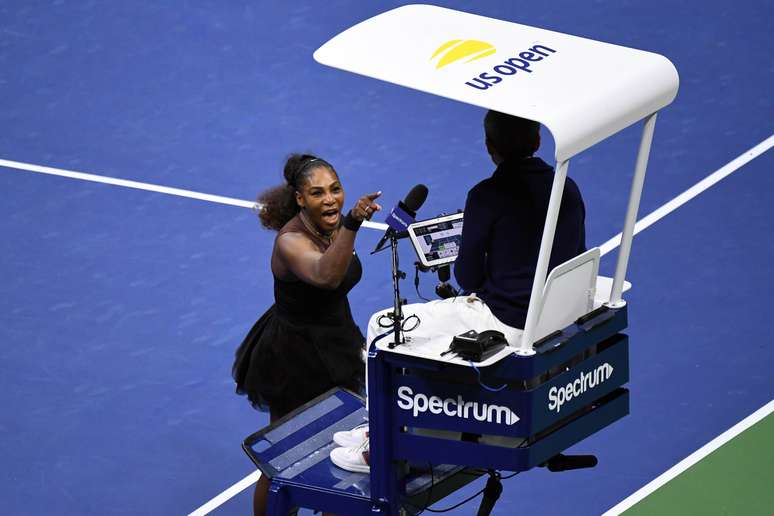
305, 344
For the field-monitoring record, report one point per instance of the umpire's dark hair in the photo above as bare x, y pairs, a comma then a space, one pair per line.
278, 204
512, 137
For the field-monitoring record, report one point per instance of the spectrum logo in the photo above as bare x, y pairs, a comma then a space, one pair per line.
454, 407
456, 49
586, 381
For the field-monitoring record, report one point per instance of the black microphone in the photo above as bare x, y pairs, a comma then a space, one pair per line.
402, 215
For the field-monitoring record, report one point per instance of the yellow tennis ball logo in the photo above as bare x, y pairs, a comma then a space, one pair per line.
457, 49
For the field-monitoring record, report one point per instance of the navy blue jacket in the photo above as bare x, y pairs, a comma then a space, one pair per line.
504, 218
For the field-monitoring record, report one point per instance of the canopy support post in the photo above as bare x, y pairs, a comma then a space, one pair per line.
541, 270
631, 212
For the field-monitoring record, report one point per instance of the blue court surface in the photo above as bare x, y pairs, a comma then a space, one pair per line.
120, 309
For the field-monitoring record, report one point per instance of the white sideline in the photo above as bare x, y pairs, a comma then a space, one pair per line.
608, 246
692, 192
692, 459
145, 186
226, 495
126, 183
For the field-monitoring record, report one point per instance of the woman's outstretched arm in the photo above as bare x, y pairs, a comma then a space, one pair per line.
325, 270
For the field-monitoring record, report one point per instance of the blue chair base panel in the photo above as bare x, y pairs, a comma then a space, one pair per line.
436, 426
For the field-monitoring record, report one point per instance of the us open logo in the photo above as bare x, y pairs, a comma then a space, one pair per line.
520, 63
457, 49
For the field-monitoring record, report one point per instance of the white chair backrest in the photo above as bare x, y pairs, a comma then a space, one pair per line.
568, 293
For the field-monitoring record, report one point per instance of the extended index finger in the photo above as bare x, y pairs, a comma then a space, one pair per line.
373, 196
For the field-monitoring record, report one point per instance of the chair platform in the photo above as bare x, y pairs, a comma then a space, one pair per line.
294, 453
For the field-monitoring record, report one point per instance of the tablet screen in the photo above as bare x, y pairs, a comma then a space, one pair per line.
437, 241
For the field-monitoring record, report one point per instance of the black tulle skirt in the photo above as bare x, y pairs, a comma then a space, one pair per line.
282, 364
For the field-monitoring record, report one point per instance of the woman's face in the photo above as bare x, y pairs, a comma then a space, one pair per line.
322, 198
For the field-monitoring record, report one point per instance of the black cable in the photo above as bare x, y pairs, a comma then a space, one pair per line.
432, 483
463, 502
412, 317
389, 318
466, 471
381, 324
473, 472
416, 281
467, 499
429, 491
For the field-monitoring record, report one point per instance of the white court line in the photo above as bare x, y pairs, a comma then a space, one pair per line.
692, 192
126, 183
146, 186
692, 459
226, 495
664, 210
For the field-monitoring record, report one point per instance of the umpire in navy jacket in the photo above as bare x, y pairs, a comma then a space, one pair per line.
504, 218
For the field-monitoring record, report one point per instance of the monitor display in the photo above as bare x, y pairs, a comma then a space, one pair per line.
437, 241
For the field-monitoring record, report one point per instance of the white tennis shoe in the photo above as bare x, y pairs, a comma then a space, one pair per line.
352, 438
353, 458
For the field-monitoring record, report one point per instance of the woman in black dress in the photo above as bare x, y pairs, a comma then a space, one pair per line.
307, 342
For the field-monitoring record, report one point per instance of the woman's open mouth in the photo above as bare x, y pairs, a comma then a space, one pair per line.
331, 216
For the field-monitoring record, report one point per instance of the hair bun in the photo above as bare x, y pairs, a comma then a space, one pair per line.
293, 166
